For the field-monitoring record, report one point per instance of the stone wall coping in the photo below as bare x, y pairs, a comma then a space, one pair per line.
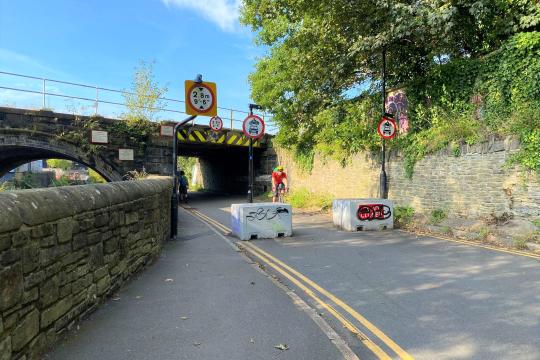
38, 206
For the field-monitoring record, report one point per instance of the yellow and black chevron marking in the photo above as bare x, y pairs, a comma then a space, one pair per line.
208, 136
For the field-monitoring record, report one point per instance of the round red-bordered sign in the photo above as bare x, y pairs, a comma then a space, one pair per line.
387, 128
253, 127
216, 124
201, 97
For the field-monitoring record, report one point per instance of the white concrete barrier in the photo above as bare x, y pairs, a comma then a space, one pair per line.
363, 214
261, 220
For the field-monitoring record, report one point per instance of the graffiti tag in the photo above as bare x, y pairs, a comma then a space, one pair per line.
266, 214
369, 212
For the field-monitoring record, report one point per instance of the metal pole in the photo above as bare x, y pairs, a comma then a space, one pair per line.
44, 93
250, 174
383, 181
174, 198
97, 99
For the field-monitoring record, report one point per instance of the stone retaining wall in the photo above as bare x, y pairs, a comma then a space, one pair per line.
63, 250
474, 184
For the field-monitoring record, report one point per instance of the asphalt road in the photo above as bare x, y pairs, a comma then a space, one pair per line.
435, 299
201, 300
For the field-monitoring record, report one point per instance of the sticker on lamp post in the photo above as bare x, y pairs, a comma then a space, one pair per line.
216, 124
387, 128
99, 137
166, 130
253, 127
125, 154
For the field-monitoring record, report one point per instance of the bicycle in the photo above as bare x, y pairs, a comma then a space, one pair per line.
281, 192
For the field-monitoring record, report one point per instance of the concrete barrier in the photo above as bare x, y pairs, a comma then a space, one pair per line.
63, 250
261, 220
363, 214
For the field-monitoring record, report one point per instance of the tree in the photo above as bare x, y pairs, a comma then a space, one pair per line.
326, 54
143, 99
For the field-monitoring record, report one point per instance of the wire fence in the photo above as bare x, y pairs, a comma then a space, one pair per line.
30, 92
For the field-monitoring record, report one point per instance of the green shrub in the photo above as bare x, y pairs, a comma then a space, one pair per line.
302, 198
403, 215
437, 216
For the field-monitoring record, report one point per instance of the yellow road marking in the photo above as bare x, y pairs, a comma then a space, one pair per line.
361, 336
472, 243
389, 342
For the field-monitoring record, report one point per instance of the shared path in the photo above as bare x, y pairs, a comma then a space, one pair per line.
321, 294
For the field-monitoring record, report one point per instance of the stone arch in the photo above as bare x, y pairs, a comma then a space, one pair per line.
18, 148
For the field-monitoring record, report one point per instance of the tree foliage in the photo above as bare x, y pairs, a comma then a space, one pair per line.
321, 74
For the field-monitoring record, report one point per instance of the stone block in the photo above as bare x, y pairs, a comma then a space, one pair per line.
94, 238
30, 257
103, 285
100, 273
64, 230
33, 279
50, 315
132, 218
42, 230
25, 331
48, 291
49, 255
110, 245
101, 220
80, 240
47, 241
10, 256
5, 348
30, 295
65, 290
5, 241
11, 286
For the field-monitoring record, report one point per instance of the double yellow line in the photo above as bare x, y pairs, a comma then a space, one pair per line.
313, 290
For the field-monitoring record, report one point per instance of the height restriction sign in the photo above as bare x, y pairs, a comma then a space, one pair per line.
387, 128
201, 98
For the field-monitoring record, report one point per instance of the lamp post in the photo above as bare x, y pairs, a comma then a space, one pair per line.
250, 174
383, 190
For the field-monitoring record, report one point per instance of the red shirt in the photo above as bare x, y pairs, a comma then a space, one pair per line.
278, 177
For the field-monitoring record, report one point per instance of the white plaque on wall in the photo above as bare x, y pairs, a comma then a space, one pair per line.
99, 137
125, 154
166, 130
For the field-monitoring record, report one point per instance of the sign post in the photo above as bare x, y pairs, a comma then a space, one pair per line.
201, 99
253, 128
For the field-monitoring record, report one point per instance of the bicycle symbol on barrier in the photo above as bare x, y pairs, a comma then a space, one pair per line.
371, 212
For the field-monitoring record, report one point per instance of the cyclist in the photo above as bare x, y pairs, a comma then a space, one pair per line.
279, 182
183, 186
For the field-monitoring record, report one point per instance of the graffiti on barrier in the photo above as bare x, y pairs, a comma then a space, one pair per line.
369, 212
266, 214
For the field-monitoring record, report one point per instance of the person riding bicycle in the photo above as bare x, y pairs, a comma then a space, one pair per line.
279, 182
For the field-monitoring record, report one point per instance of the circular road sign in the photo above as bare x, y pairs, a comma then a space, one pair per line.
387, 128
201, 97
216, 124
253, 127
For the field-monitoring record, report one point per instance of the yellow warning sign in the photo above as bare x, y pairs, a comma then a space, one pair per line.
201, 98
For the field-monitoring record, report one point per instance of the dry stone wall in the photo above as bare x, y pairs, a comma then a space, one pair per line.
63, 250
475, 184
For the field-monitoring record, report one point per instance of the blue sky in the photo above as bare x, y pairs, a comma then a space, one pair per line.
100, 42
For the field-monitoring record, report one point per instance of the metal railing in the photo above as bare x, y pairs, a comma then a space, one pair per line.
48, 90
